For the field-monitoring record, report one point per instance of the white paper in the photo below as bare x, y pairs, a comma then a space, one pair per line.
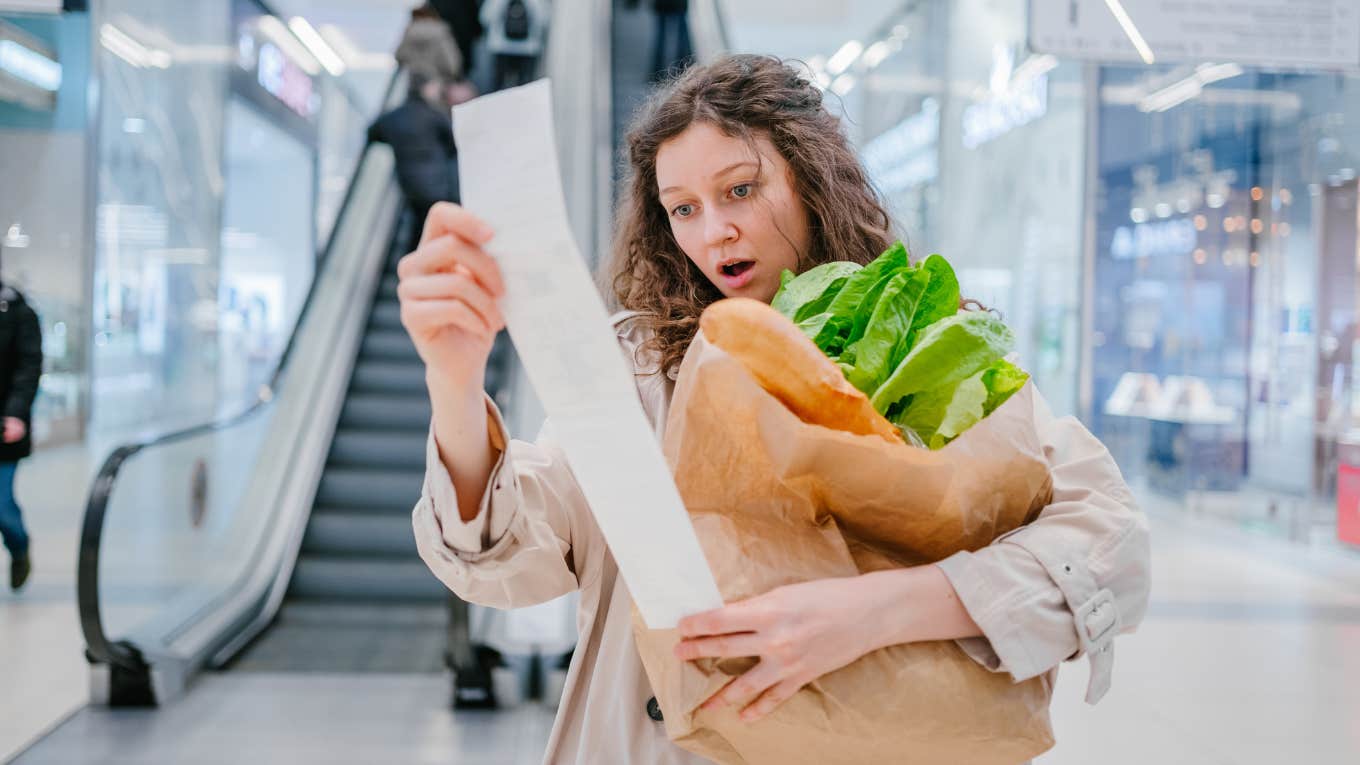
509, 177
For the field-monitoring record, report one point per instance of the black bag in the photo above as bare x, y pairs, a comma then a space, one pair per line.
516, 20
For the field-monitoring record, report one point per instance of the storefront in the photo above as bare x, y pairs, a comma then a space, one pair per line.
217, 187
1174, 243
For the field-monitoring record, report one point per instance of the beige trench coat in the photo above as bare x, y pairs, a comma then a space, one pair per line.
1059, 588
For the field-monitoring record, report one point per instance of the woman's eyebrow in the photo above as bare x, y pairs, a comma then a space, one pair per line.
719, 174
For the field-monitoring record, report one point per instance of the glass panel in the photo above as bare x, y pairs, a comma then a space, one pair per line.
159, 198
43, 225
268, 253
177, 532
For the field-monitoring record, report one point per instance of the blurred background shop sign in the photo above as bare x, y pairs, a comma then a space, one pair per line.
1317, 33
281, 65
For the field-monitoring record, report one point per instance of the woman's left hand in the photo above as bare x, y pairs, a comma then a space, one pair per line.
799, 632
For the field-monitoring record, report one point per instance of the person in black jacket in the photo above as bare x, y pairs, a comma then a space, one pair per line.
20, 368
672, 51
420, 132
464, 19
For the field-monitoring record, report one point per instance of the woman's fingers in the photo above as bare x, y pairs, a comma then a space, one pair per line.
744, 616
721, 647
447, 218
751, 684
445, 254
437, 314
456, 286
771, 698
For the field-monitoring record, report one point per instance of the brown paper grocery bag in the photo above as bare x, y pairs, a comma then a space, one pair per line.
775, 501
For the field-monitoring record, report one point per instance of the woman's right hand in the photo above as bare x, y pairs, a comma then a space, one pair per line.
449, 290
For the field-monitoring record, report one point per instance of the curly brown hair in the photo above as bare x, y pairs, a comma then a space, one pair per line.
743, 96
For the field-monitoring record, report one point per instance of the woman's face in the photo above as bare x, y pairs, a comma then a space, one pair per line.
733, 211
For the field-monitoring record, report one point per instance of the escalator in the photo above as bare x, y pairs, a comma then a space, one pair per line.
360, 599
276, 541
292, 551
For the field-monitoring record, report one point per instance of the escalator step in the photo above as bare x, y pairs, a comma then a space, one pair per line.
388, 377
388, 344
373, 491
386, 412
402, 450
357, 579
360, 535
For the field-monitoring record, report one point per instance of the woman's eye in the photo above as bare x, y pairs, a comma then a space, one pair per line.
741, 191
683, 211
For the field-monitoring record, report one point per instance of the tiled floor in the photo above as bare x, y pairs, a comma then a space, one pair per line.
1250, 654
297, 719
41, 650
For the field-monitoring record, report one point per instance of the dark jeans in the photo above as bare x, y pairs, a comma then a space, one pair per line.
11, 520
672, 50
513, 70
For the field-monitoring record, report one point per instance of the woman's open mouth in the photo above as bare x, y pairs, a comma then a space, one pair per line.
737, 273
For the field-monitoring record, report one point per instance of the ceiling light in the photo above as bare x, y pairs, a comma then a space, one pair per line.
278, 34
843, 58
877, 52
843, 84
30, 66
318, 47
1135, 37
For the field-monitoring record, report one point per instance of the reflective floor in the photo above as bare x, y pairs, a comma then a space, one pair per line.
1250, 654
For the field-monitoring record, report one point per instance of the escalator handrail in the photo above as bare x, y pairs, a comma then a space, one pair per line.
98, 647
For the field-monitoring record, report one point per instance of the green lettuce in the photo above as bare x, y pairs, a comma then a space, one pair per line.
895, 330
810, 293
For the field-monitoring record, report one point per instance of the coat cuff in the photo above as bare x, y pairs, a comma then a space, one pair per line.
1002, 648
477, 538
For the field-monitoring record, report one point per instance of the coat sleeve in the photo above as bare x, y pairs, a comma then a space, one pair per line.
1064, 585
533, 538
28, 363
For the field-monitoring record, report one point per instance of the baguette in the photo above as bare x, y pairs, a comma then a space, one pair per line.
790, 367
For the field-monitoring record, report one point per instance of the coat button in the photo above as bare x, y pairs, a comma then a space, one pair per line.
654, 710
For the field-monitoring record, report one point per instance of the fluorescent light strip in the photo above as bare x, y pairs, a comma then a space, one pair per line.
1181, 91
844, 57
30, 66
124, 46
278, 34
1034, 66
1136, 37
354, 58
317, 45
119, 44
877, 52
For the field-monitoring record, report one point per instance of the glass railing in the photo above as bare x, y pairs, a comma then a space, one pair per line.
189, 536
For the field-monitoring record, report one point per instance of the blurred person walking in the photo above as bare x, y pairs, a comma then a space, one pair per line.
464, 18
672, 52
515, 31
428, 47
420, 133
20, 367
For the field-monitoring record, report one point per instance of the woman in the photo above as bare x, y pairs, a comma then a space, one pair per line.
737, 172
427, 47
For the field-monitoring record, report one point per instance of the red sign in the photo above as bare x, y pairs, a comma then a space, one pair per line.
1348, 504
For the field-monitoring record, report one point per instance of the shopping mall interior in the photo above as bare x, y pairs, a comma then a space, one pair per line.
1162, 200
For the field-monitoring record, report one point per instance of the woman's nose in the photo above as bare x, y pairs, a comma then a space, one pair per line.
719, 230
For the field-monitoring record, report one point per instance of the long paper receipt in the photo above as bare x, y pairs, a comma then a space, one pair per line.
509, 177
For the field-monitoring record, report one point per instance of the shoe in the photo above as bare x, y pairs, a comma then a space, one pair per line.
19, 569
